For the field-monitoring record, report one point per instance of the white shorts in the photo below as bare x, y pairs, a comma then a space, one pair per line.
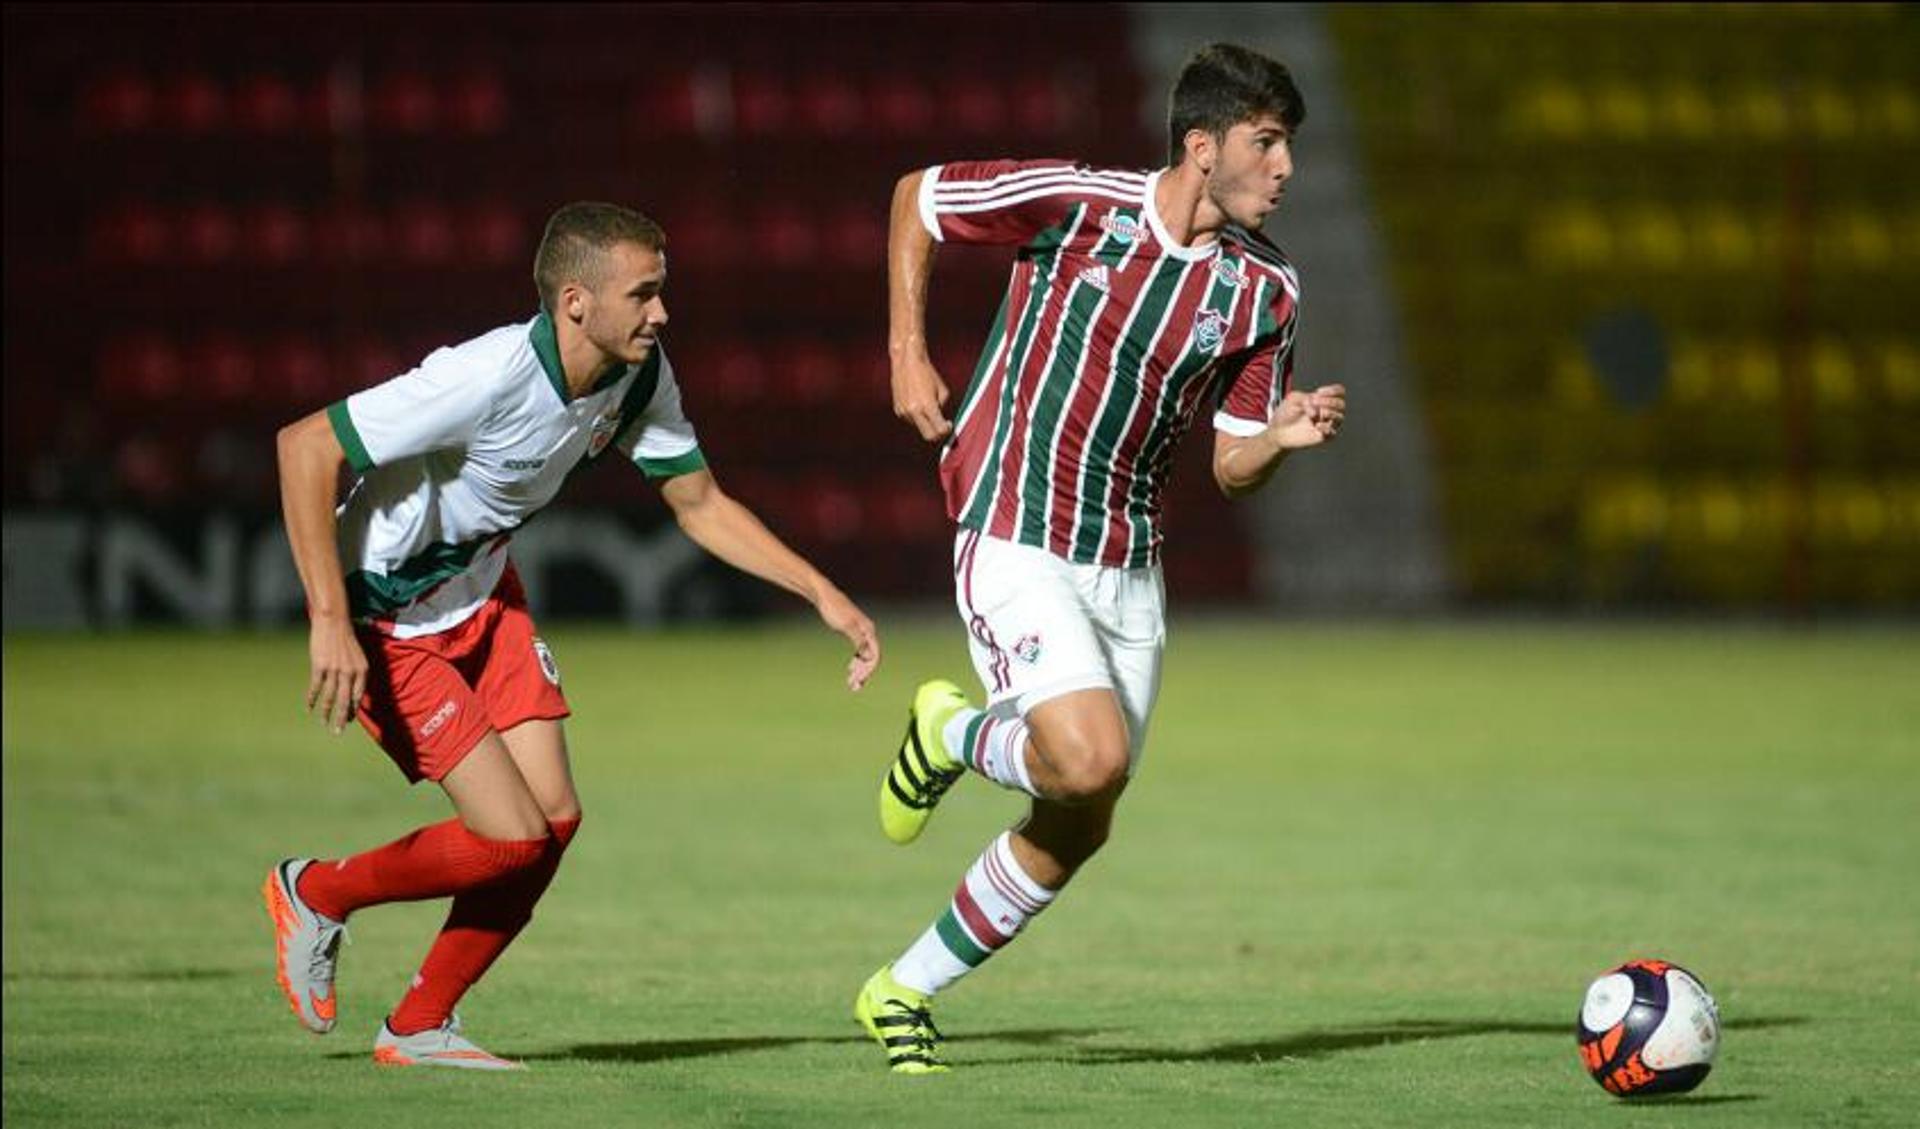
1039, 626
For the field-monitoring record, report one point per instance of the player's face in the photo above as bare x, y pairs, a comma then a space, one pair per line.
626, 314
1251, 172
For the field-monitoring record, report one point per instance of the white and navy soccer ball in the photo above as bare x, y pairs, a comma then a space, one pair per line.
1648, 1027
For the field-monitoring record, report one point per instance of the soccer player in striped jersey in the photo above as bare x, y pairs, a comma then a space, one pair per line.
1137, 299
419, 625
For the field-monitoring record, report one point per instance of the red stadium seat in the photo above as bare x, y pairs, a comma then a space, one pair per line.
808, 372
785, 236
738, 376
829, 512
220, 368
144, 367
900, 106
404, 102
294, 370
119, 102
266, 103
151, 469
476, 103
668, 104
135, 232
869, 372
493, 232
335, 104
348, 234
275, 234
856, 238
829, 106
365, 362
974, 106
192, 102
700, 234
907, 510
761, 104
423, 232
207, 233
1037, 108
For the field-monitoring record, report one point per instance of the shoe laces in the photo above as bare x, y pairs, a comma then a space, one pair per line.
332, 935
924, 1034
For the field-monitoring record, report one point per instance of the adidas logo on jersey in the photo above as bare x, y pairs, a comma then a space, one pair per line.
1096, 277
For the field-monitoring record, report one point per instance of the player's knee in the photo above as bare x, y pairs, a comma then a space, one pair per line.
1091, 772
500, 859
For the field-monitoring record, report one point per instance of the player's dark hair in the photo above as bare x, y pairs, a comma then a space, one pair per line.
1224, 85
577, 240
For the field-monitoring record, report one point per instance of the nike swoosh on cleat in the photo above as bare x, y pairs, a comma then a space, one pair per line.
322, 1005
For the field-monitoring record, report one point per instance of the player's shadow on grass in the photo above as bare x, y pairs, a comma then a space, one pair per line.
1321, 1043
664, 1050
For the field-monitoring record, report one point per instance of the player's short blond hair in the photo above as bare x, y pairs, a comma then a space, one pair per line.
577, 239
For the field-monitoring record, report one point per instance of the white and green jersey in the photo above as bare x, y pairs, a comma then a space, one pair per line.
458, 453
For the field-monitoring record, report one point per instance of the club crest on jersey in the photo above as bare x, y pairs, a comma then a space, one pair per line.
1209, 329
604, 426
547, 666
1123, 228
1027, 649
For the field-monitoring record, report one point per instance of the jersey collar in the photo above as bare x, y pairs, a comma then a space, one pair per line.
1159, 229
546, 346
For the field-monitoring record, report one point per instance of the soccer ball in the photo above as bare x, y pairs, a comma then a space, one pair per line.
1648, 1027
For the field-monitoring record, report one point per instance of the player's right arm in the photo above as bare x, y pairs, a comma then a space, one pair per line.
919, 394
310, 457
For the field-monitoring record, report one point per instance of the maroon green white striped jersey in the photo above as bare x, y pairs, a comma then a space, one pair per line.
1110, 338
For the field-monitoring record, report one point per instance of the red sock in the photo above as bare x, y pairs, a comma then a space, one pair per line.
433, 862
479, 928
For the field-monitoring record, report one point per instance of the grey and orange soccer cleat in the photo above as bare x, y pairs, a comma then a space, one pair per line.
438, 1046
306, 947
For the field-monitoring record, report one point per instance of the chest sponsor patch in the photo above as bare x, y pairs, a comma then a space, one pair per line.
1123, 228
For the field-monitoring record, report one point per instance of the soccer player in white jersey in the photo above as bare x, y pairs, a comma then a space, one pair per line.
1136, 300
419, 625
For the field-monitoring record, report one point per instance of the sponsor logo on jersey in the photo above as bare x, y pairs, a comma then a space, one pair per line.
604, 425
1123, 228
525, 464
1096, 277
1027, 648
547, 666
439, 719
1229, 273
1209, 329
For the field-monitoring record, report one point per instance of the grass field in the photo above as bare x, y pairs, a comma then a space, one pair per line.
1362, 880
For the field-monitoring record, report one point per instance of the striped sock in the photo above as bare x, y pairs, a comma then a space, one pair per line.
993, 746
993, 902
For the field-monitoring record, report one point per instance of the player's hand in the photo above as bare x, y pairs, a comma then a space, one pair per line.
1308, 419
841, 614
920, 397
339, 672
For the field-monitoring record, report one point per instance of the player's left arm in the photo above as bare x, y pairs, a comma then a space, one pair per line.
730, 531
1244, 463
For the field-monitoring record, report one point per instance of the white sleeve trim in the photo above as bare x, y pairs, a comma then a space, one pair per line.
1237, 427
927, 217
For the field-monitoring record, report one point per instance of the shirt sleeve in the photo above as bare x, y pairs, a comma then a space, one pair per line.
1257, 379
660, 439
436, 406
1008, 201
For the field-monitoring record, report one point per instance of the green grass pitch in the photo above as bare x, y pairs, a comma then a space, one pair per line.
1362, 879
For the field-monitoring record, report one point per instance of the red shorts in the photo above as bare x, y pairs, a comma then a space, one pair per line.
430, 699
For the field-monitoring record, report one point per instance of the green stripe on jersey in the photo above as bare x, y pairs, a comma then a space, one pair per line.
376, 594
1050, 401
679, 464
349, 437
1130, 357
1045, 246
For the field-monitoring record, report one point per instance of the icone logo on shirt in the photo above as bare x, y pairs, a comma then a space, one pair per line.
1124, 229
1229, 273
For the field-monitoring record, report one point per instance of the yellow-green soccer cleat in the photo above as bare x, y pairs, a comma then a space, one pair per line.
896, 1016
924, 769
